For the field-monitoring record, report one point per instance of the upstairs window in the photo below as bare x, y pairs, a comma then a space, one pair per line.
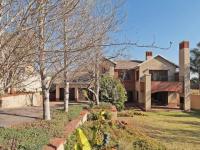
159, 75
125, 75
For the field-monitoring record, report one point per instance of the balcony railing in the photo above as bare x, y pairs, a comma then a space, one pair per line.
167, 78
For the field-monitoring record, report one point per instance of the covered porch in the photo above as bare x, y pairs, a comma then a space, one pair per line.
75, 92
161, 94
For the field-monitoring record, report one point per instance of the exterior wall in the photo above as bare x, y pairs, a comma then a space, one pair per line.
173, 99
32, 84
153, 64
108, 67
21, 100
128, 84
195, 101
156, 64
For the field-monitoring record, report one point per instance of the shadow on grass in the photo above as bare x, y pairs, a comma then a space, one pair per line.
192, 123
174, 135
19, 115
193, 113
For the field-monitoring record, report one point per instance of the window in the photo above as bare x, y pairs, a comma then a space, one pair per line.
137, 75
159, 75
125, 75
104, 70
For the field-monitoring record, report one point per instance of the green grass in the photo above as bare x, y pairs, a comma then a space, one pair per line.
34, 135
176, 130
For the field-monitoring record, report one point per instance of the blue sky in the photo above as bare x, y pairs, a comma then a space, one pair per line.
162, 20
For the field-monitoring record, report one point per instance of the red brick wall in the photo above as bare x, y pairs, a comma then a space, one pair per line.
128, 84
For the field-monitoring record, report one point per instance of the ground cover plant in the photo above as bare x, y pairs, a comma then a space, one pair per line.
33, 136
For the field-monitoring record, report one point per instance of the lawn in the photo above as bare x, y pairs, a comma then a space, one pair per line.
176, 130
35, 135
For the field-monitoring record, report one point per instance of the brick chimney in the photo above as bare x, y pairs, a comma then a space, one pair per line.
149, 55
184, 72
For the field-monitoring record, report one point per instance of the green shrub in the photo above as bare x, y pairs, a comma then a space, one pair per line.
112, 91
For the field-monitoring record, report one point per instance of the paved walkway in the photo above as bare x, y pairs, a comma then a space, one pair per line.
11, 117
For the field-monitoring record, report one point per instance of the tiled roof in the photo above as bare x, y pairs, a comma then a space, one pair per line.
127, 64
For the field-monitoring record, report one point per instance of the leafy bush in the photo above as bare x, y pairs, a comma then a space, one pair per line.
113, 91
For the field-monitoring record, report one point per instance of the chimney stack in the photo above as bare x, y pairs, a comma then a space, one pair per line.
149, 55
184, 72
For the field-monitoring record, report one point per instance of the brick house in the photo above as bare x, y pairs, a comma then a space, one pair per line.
154, 81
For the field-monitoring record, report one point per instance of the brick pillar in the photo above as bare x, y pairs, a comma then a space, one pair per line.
76, 94
184, 72
57, 92
147, 92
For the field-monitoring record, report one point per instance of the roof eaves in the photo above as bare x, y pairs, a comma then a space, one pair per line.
167, 60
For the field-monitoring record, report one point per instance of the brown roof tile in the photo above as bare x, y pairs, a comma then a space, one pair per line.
127, 64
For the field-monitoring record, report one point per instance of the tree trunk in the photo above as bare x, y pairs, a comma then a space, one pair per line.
66, 91
97, 85
66, 97
44, 82
46, 106
97, 90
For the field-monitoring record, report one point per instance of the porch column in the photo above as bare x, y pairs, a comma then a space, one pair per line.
76, 94
147, 92
57, 92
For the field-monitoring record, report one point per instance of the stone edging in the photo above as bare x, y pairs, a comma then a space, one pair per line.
58, 143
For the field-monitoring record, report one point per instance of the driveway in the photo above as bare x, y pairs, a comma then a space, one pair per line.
11, 117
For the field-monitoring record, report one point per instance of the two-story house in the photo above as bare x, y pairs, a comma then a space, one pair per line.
154, 81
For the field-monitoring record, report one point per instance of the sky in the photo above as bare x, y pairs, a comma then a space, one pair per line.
161, 21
